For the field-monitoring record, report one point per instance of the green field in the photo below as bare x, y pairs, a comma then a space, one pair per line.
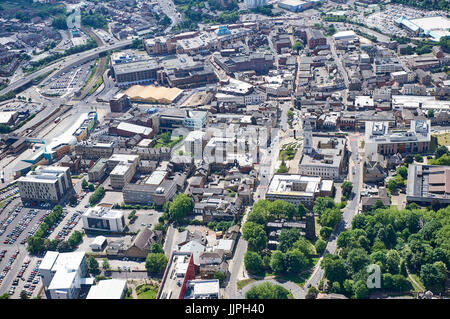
146, 291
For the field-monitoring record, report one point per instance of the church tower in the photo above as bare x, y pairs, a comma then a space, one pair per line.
307, 139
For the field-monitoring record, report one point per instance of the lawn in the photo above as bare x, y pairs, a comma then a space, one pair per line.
242, 283
420, 287
443, 139
146, 291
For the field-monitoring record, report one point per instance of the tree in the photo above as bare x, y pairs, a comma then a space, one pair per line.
277, 261
92, 264
60, 23
4, 296
335, 268
408, 159
392, 185
84, 184
255, 235
330, 217
325, 232
430, 113
402, 171
181, 205
320, 246
298, 46
347, 188
360, 290
287, 238
418, 158
156, 263
157, 248
433, 276
301, 210
73, 200
322, 203
312, 293
105, 264
295, 261
23, 295
253, 262
393, 261
267, 290
435, 204
219, 275
441, 150
357, 259
91, 187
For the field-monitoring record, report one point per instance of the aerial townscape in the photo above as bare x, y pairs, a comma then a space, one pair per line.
224, 149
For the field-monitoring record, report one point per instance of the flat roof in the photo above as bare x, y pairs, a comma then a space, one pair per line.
108, 289
137, 129
153, 93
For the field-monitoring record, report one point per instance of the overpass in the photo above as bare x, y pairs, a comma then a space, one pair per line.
65, 64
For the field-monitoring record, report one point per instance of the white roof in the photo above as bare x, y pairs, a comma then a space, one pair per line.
6, 116
49, 260
107, 289
99, 240
62, 280
137, 129
205, 287
225, 244
345, 34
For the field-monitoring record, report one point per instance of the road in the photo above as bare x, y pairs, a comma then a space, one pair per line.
66, 63
169, 9
348, 213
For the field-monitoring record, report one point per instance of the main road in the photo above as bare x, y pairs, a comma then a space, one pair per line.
66, 63
348, 213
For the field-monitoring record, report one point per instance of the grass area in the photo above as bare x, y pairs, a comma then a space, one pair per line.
288, 151
417, 288
146, 291
166, 140
242, 283
298, 279
443, 139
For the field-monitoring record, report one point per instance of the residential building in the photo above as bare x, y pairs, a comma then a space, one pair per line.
46, 184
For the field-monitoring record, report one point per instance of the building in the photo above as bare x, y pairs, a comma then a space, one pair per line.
259, 62
129, 130
345, 36
122, 175
324, 156
97, 172
63, 274
296, 188
136, 72
315, 38
147, 194
108, 289
142, 243
179, 270
202, 289
240, 92
119, 103
153, 94
427, 183
379, 139
46, 184
104, 219
253, 4
94, 151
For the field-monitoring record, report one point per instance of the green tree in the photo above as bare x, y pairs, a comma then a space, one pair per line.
84, 184
277, 261
295, 261
392, 185
335, 268
221, 276
330, 217
287, 238
357, 259
253, 262
267, 290
322, 203
418, 158
347, 188
433, 276
325, 232
255, 235
105, 264
156, 263
402, 171
157, 248
181, 205
320, 246
360, 290
92, 264
298, 46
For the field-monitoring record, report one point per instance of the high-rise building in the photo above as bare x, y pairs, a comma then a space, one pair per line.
46, 184
252, 4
